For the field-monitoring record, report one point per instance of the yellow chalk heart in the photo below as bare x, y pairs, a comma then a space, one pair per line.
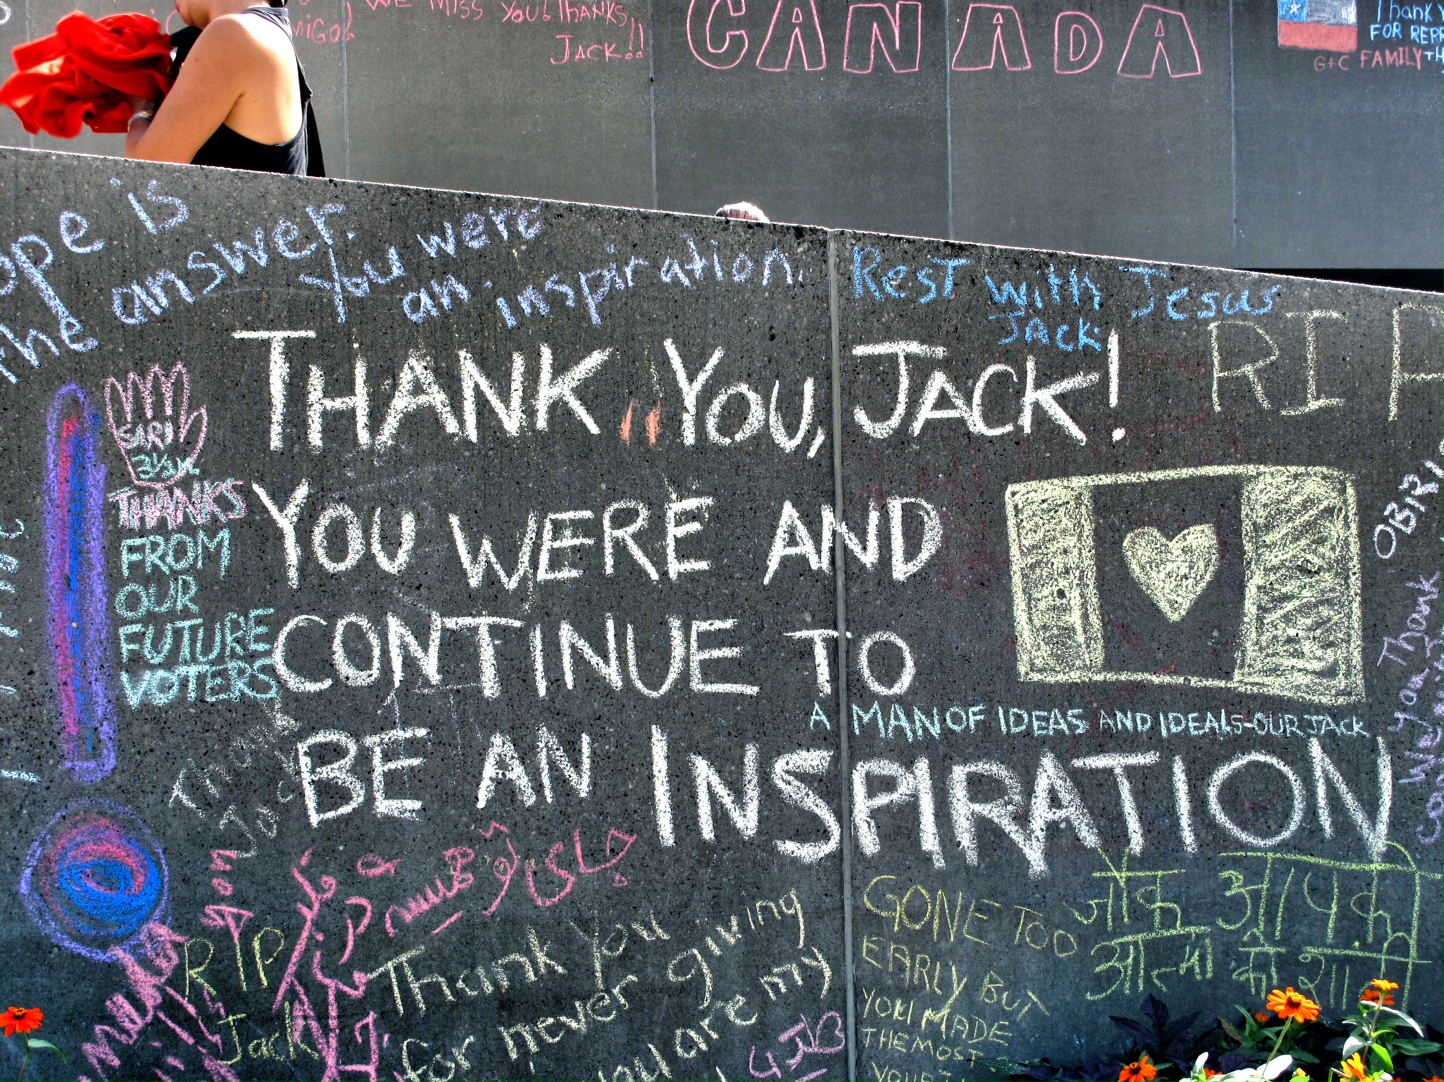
1172, 573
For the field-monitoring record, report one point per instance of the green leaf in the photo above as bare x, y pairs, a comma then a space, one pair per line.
1352, 1045
1383, 1056
1302, 1056
36, 1042
1403, 1018
1410, 1047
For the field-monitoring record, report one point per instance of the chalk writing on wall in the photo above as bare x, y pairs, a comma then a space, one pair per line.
888, 37
1350, 37
494, 638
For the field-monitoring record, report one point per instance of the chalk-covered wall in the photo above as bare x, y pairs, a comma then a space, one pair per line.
455, 636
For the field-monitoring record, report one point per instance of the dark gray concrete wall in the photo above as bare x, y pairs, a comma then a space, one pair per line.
453, 635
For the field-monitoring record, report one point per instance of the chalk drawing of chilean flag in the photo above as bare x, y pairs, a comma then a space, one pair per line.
1329, 25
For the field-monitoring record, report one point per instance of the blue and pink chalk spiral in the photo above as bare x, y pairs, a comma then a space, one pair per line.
95, 878
75, 573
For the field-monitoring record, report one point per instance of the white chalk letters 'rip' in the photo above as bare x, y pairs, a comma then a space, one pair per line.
1173, 573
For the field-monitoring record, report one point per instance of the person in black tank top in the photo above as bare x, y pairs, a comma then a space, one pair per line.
243, 75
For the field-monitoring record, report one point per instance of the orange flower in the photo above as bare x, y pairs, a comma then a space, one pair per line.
1139, 1071
1354, 1068
1379, 991
1260, 1016
1209, 1072
21, 1020
1292, 1006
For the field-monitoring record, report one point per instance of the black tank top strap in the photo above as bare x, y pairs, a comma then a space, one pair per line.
275, 16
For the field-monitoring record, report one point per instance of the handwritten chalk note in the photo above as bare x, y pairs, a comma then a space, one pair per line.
448, 636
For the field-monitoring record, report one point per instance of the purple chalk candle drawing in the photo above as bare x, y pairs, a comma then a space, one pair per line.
75, 585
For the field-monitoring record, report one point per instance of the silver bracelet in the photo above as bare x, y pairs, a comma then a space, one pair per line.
139, 115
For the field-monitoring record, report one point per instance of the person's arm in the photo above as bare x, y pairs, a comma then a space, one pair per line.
213, 78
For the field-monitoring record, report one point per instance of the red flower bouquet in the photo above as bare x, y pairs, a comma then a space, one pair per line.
83, 73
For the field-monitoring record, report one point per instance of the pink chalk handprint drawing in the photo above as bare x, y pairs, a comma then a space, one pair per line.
152, 422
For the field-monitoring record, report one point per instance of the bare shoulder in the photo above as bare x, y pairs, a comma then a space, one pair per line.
239, 41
